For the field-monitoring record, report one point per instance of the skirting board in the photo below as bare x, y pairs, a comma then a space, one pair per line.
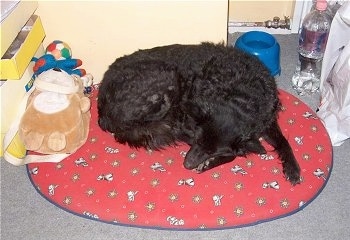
300, 11
232, 29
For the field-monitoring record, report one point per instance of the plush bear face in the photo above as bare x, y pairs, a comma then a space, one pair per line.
50, 102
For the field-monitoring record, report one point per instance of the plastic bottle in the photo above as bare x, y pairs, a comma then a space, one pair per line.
332, 7
312, 44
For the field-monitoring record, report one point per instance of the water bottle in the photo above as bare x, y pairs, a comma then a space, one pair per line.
312, 43
331, 10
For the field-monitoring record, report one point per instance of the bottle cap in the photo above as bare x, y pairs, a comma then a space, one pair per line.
321, 5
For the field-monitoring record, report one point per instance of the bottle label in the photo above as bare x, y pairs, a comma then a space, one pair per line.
312, 42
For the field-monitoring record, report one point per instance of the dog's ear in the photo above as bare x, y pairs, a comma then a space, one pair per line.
156, 107
225, 152
198, 113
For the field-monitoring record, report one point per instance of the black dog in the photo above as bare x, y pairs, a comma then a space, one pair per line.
217, 99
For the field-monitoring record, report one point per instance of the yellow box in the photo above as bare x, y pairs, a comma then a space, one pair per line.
18, 56
15, 14
11, 95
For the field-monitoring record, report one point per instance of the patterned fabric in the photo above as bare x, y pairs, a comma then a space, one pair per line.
113, 183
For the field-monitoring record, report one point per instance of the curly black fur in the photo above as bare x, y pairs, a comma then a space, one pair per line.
217, 99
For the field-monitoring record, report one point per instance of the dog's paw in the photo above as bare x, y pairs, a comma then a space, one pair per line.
203, 166
292, 172
212, 163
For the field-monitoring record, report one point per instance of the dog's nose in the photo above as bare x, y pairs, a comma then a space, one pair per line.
188, 165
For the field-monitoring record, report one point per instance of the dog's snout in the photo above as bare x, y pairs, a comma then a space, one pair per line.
188, 165
195, 156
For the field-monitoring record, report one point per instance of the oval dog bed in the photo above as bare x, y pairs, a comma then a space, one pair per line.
112, 183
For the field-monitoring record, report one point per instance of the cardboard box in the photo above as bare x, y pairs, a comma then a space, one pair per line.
14, 15
18, 56
11, 95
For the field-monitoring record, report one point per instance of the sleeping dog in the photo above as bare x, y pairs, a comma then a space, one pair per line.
217, 99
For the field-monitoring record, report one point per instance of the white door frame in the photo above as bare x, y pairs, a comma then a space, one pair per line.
301, 8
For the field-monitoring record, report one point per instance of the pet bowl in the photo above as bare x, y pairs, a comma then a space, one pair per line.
264, 46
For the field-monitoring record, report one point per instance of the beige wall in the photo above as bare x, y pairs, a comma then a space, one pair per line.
259, 10
98, 31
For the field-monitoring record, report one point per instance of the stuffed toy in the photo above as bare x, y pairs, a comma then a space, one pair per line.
59, 56
57, 116
48, 61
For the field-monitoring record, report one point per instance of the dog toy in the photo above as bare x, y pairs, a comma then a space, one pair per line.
57, 116
60, 50
58, 55
87, 83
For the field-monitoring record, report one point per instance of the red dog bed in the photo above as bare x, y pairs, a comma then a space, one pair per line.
112, 183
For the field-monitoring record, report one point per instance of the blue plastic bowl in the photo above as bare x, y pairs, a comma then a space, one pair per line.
264, 46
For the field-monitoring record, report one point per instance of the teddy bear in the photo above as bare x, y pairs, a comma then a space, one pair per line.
57, 116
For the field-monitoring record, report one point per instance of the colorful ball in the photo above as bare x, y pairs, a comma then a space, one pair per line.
60, 50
